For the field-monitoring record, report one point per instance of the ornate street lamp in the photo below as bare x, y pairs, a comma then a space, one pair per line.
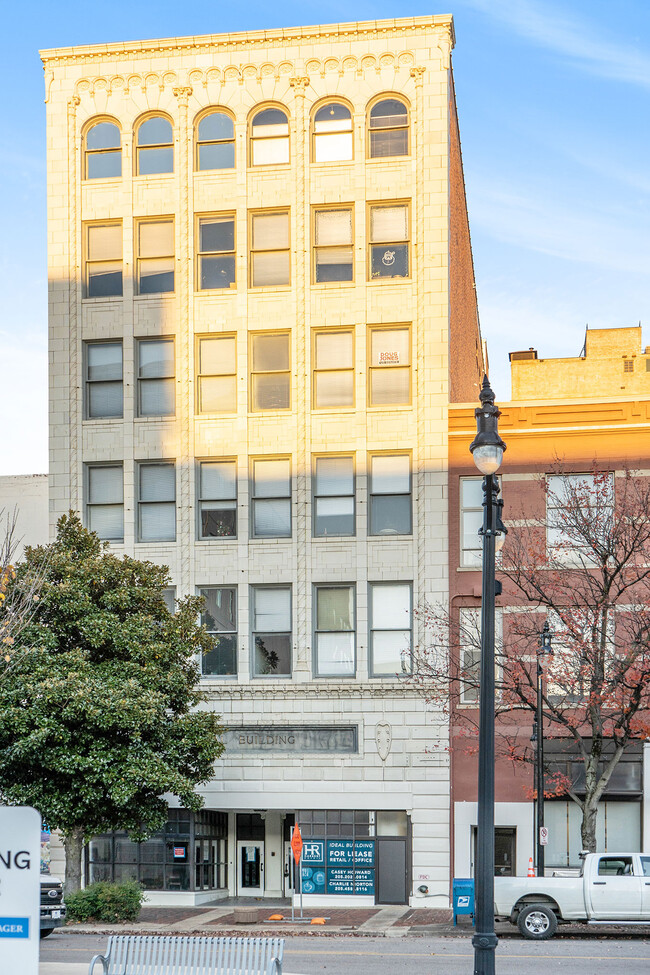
487, 450
544, 649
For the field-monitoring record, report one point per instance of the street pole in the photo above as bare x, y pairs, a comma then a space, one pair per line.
540, 771
544, 649
487, 450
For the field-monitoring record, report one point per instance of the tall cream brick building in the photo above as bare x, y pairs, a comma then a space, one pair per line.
261, 305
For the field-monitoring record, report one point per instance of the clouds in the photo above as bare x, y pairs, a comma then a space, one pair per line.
585, 44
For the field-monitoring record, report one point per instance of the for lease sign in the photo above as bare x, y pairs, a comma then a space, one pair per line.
20, 840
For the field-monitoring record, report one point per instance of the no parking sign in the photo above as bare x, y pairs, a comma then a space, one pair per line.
20, 867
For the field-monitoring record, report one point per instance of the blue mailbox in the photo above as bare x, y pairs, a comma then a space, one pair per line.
462, 895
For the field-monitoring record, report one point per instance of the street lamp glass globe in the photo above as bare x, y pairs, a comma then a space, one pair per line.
499, 541
488, 457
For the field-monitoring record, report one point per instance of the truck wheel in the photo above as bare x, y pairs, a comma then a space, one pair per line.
537, 922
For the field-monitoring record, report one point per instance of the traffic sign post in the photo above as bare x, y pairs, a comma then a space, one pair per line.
543, 835
20, 889
296, 846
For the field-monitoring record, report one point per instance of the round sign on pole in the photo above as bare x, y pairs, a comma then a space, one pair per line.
296, 843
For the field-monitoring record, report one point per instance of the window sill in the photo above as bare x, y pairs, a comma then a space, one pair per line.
216, 416
270, 289
96, 420
148, 176
101, 179
395, 160
253, 414
390, 407
332, 538
98, 299
216, 538
155, 296
332, 285
159, 417
270, 167
216, 291
387, 280
343, 410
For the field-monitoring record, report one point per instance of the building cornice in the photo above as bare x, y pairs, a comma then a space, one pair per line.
249, 40
323, 691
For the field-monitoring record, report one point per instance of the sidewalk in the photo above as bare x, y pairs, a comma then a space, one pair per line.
375, 922
395, 922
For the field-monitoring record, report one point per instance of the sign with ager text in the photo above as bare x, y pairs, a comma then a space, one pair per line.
20, 890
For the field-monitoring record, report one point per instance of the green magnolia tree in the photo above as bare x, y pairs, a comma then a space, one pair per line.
100, 710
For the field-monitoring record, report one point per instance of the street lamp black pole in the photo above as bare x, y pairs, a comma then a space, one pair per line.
487, 450
543, 649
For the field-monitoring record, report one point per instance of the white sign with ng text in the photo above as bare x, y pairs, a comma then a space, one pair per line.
20, 889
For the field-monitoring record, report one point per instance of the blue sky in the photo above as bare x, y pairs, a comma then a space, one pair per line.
553, 100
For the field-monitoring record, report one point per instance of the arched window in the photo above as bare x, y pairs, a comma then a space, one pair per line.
154, 147
332, 133
270, 137
103, 151
389, 129
215, 143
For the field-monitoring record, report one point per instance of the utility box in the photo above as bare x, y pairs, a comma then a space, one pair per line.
462, 896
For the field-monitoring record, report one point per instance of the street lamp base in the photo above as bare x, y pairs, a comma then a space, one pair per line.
484, 953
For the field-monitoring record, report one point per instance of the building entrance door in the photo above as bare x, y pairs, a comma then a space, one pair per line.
392, 870
250, 868
505, 850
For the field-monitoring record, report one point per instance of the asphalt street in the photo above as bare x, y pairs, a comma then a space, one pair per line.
69, 954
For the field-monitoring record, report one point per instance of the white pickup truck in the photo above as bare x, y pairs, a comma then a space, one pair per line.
613, 888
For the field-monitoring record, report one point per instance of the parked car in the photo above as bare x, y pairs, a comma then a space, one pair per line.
52, 904
612, 888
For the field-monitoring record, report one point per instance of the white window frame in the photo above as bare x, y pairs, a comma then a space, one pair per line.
224, 255
256, 497
91, 383
168, 502
406, 655
254, 373
256, 632
218, 504
201, 375
202, 590
469, 628
90, 504
372, 494
374, 369
168, 379
112, 264
319, 588
319, 495
143, 262
318, 373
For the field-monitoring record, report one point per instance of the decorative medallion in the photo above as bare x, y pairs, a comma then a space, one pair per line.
383, 739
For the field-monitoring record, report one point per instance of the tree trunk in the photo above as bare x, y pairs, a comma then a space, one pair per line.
73, 844
588, 827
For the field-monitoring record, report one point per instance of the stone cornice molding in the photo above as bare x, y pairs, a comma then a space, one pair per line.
440, 24
325, 692
248, 72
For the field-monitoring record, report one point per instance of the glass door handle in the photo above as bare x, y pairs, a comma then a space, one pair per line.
600, 883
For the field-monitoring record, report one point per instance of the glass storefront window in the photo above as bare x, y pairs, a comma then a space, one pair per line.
190, 853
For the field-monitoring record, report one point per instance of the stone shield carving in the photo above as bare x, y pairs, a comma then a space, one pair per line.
383, 739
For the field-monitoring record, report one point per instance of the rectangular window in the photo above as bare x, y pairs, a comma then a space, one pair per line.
333, 252
155, 250
390, 494
104, 260
271, 497
390, 629
333, 369
220, 620
157, 502
216, 256
628, 365
471, 520
103, 379
271, 631
270, 257
105, 501
334, 631
389, 241
156, 393
270, 371
169, 598
217, 374
470, 650
218, 499
579, 511
390, 366
333, 496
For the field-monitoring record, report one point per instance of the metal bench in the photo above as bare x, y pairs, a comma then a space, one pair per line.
159, 955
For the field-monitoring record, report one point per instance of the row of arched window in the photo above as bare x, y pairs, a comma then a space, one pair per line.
331, 139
